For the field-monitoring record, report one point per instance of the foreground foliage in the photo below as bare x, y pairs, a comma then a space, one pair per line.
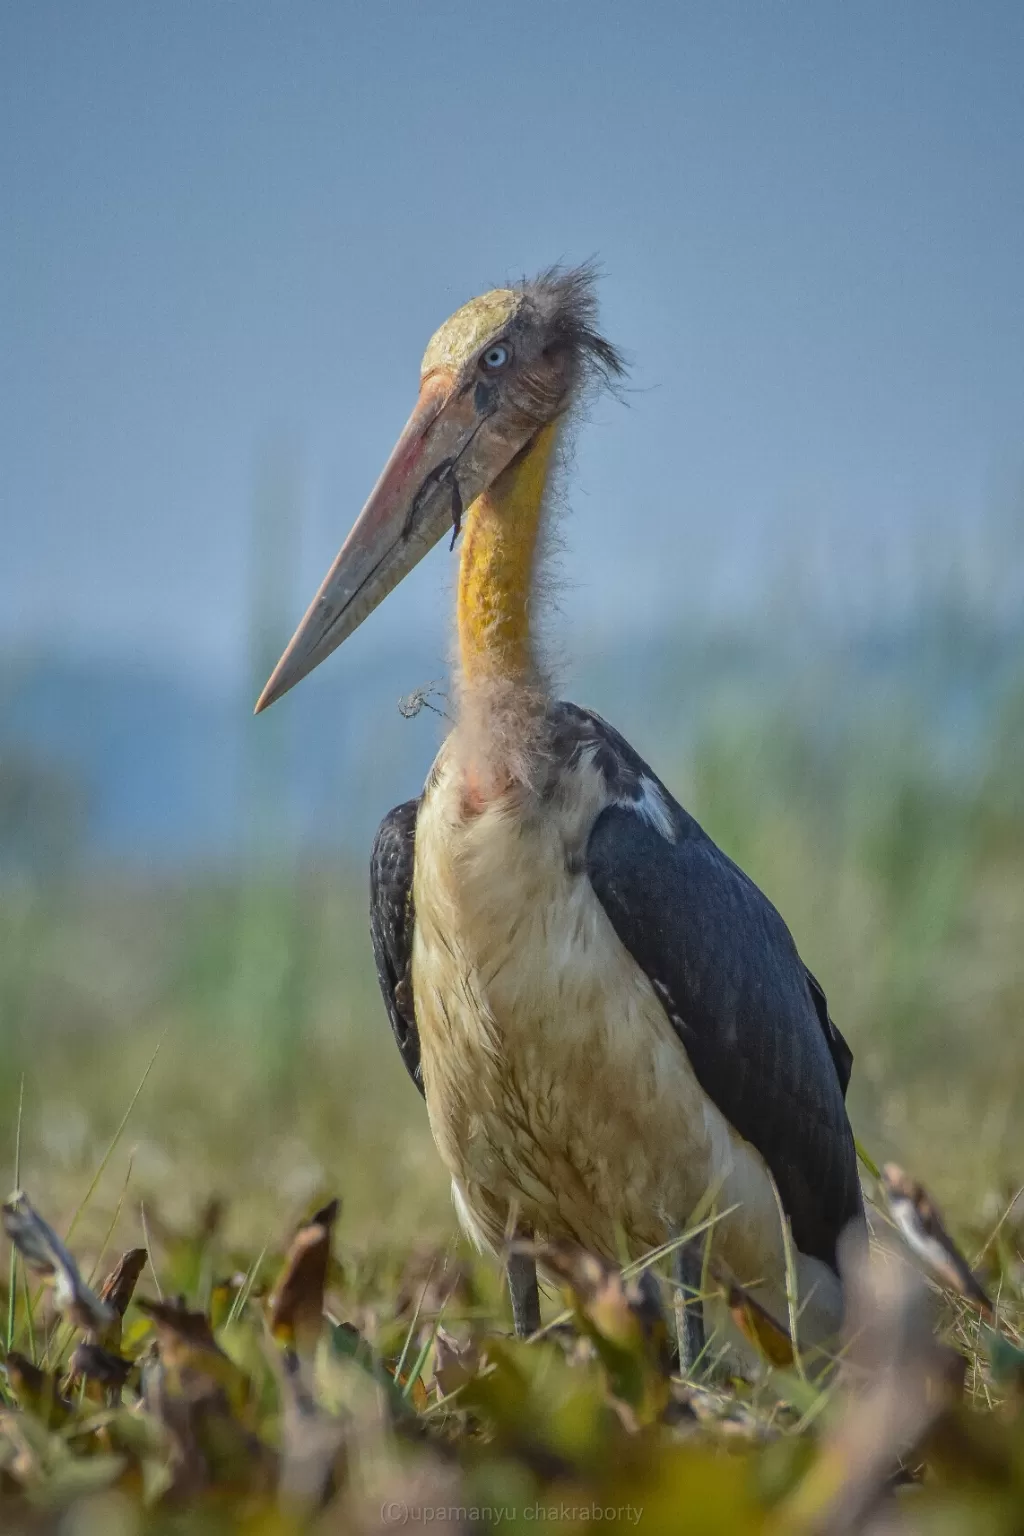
300, 1392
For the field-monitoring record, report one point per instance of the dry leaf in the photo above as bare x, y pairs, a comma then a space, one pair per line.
185, 1338
768, 1337
92, 1362
432, 1280
895, 1381
625, 1320
117, 1291
118, 1288
196, 1392
44, 1252
296, 1304
454, 1364
36, 1390
187, 1349
917, 1217
312, 1444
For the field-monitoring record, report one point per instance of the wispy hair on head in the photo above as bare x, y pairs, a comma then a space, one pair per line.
563, 300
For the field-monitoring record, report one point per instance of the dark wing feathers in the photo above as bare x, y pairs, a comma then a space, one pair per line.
840, 1051
753, 1020
391, 927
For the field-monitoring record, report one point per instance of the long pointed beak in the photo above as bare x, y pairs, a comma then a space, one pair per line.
454, 445
409, 510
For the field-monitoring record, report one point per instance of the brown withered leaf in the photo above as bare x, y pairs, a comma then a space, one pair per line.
37, 1391
296, 1303
312, 1445
91, 1362
118, 1288
210, 1447
895, 1381
44, 1252
187, 1348
577, 1268
117, 1291
182, 1334
623, 1310
757, 1325
25, 1444
918, 1219
197, 1393
432, 1281
455, 1364
626, 1322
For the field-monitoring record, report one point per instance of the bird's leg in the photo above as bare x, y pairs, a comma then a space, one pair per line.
690, 1314
522, 1286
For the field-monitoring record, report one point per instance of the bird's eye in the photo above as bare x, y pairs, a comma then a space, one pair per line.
495, 357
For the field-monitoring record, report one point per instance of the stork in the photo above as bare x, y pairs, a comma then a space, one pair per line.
608, 1020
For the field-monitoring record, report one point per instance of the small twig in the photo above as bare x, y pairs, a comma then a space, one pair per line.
410, 704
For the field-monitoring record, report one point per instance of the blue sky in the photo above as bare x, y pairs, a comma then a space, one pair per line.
228, 231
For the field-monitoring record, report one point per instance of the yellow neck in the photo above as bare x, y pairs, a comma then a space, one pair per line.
496, 569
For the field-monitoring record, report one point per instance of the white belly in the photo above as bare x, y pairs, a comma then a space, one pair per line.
558, 1092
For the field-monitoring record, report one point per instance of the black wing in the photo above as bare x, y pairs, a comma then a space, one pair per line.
838, 1048
753, 1020
391, 927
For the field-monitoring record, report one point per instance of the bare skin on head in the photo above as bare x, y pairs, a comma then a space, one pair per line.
497, 382
527, 354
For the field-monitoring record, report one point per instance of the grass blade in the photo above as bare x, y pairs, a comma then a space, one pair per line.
13, 1280
245, 1288
108, 1154
149, 1250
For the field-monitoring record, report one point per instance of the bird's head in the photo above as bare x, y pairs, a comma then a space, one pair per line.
493, 377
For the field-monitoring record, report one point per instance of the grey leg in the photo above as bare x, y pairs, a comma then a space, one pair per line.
690, 1318
522, 1285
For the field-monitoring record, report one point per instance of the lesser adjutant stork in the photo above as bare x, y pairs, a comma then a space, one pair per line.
606, 1017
